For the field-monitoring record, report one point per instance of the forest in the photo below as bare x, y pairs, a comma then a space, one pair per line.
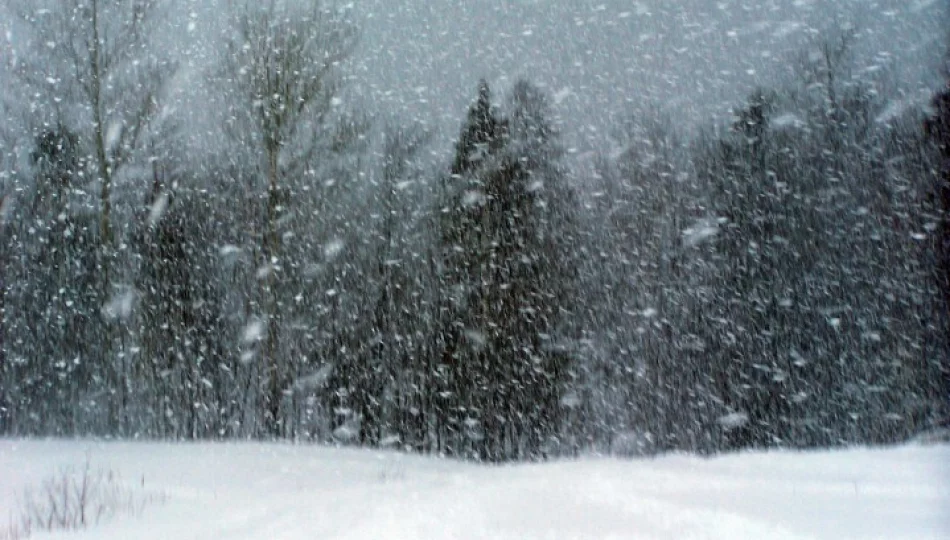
330, 274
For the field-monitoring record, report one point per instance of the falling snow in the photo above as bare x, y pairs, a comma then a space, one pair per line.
494, 231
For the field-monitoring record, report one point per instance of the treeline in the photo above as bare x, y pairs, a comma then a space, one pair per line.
782, 281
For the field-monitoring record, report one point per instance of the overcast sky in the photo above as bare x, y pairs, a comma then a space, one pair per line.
598, 59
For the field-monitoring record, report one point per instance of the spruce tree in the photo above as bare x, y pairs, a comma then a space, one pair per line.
181, 327
53, 307
938, 128
504, 274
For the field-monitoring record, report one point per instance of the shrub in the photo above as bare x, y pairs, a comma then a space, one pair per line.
75, 499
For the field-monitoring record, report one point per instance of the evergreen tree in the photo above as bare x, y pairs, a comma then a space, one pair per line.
178, 371
504, 264
820, 292
53, 307
644, 356
938, 128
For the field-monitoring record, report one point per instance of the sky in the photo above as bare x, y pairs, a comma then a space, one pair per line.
692, 59
599, 60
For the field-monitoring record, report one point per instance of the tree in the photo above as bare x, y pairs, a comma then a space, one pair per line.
548, 265
181, 373
55, 315
393, 366
648, 275
89, 68
826, 304
938, 129
284, 63
505, 233
752, 257
101, 64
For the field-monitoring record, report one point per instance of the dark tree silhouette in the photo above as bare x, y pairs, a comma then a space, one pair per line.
505, 273
938, 128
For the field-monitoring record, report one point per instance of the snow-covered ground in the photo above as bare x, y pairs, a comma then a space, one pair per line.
271, 491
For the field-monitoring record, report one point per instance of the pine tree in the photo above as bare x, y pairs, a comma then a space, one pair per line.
938, 128
505, 275
820, 294
53, 304
181, 326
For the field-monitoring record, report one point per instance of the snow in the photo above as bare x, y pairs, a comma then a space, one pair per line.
253, 331
702, 231
733, 420
157, 209
333, 248
120, 304
788, 120
113, 135
284, 491
315, 380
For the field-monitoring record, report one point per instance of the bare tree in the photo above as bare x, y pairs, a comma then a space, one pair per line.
283, 61
92, 62
89, 67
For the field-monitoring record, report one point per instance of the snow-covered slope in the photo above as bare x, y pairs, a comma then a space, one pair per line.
270, 491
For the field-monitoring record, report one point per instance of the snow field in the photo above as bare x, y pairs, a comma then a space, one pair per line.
282, 491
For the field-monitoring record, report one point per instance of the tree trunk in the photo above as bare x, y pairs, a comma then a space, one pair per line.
5, 407
273, 390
